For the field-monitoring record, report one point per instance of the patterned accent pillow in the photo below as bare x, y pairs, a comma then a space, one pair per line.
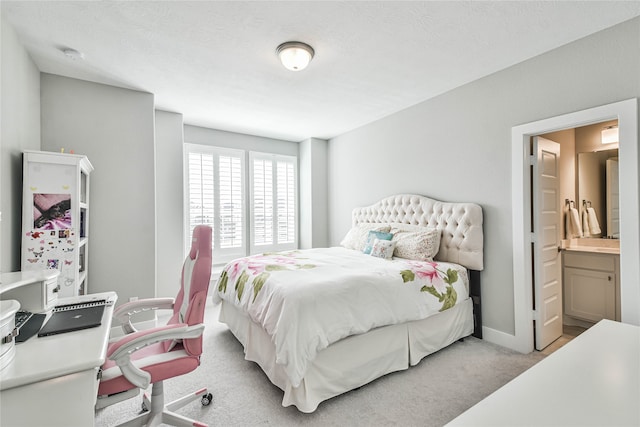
417, 245
357, 237
373, 235
383, 248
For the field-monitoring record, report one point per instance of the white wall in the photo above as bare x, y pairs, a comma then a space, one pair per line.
114, 128
169, 203
19, 130
313, 194
457, 146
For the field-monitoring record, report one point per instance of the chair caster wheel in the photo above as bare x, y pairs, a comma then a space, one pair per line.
206, 399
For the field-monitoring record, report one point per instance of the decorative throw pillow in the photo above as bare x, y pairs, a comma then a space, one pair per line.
417, 245
356, 238
373, 235
383, 248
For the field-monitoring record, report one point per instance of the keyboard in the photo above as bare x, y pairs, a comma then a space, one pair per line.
21, 317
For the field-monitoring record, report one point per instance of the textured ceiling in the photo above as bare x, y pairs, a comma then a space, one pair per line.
215, 62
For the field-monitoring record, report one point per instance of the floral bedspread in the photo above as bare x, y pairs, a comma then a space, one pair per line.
308, 299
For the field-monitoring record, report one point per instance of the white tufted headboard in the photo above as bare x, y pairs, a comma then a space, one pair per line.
461, 224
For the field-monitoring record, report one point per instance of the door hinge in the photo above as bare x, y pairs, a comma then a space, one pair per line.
535, 315
533, 237
532, 160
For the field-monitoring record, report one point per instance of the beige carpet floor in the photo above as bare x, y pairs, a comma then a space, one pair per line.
432, 393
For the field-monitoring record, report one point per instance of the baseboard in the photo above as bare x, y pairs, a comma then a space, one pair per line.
502, 339
570, 321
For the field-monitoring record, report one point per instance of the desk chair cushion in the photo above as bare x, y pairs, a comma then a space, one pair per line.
152, 359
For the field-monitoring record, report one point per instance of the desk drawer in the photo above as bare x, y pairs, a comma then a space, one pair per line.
51, 292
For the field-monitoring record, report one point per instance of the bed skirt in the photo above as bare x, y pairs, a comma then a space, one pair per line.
353, 361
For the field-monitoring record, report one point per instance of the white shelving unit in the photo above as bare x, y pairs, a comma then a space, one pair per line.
55, 217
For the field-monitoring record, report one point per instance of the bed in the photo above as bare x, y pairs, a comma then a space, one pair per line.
321, 322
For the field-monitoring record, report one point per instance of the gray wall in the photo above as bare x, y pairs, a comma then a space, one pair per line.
313, 194
169, 203
219, 138
114, 128
457, 146
19, 130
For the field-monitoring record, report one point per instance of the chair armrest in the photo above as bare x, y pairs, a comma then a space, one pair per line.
121, 351
124, 312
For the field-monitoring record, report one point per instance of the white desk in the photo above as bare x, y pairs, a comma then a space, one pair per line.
53, 381
592, 381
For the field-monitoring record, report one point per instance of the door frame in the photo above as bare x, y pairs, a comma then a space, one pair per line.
626, 112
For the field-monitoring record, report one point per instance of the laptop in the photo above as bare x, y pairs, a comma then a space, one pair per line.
73, 320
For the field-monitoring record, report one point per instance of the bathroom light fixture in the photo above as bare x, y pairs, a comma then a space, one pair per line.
295, 56
610, 134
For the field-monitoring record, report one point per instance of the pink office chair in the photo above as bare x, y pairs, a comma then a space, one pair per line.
140, 358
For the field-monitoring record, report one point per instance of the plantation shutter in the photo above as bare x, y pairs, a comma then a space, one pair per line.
273, 202
215, 197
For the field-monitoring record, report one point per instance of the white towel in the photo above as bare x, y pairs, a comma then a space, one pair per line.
585, 224
594, 226
572, 224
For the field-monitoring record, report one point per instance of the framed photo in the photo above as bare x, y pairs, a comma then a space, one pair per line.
51, 211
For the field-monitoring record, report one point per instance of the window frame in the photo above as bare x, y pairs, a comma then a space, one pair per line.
222, 256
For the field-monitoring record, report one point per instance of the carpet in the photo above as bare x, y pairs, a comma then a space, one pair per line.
432, 393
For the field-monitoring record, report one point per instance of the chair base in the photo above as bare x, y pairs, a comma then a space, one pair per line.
156, 412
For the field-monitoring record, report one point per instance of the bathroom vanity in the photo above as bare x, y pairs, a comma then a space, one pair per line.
591, 278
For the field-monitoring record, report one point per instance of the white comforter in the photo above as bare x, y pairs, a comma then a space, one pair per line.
308, 299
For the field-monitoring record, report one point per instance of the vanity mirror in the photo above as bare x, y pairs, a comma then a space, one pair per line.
597, 183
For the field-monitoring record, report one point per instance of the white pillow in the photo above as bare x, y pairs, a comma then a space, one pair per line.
417, 245
383, 248
356, 238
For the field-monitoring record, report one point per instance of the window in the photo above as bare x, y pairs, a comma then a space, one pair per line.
273, 202
215, 191
215, 197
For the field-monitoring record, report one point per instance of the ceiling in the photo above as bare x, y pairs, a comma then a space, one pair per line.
215, 61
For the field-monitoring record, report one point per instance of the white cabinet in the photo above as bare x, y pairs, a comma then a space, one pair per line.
55, 217
591, 286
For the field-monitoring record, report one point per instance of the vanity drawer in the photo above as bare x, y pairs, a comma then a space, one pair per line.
590, 261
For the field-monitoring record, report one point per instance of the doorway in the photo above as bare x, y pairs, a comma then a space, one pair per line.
574, 212
626, 112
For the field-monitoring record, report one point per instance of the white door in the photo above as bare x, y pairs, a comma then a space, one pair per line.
613, 199
547, 280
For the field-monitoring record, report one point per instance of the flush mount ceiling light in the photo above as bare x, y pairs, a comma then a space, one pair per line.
295, 56
72, 53
610, 135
